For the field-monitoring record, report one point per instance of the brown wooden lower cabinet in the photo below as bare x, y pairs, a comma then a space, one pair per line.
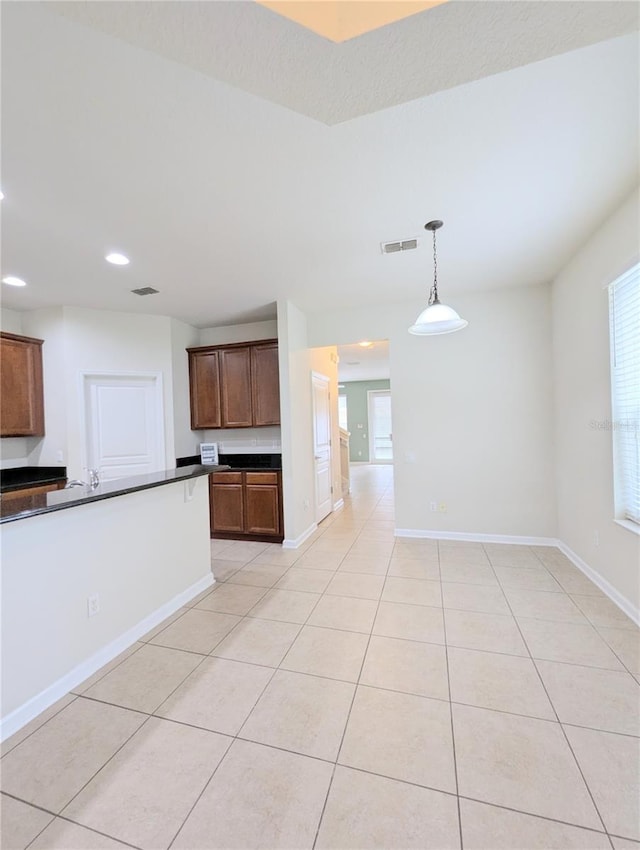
246, 506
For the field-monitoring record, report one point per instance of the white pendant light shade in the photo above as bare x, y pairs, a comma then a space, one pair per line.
437, 319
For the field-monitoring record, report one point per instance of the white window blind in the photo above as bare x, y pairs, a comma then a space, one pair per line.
624, 295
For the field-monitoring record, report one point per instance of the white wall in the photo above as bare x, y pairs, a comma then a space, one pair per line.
52, 449
297, 421
187, 442
79, 340
10, 321
325, 361
582, 382
472, 411
238, 333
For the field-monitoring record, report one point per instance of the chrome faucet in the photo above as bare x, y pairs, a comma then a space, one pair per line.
94, 478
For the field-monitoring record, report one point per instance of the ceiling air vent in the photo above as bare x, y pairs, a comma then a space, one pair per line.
145, 290
401, 245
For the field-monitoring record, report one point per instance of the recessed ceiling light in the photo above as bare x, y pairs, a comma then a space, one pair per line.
13, 281
117, 259
365, 344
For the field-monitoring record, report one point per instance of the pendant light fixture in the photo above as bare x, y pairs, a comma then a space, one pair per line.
436, 318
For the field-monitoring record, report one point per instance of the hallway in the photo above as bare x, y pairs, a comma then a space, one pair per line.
360, 692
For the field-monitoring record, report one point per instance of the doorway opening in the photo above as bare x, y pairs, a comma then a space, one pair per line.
364, 404
380, 428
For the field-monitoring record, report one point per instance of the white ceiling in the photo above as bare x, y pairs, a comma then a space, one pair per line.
363, 364
226, 201
259, 51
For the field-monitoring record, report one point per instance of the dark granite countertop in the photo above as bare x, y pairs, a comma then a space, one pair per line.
255, 462
30, 476
20, 507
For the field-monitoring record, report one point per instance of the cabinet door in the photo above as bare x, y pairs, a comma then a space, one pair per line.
265, 384
227, 507
204, 383
235, 378
262, 509
22, 409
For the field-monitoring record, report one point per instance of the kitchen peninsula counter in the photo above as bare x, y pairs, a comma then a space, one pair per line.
87, 573
40, 503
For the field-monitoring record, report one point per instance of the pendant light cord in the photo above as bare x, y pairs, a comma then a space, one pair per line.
433, 295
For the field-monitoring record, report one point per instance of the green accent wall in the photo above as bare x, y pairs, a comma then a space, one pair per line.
358, 414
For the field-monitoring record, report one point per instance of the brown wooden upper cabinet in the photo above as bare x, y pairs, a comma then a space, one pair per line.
234, 386
22, 399
235, 377
204, 386
265, 384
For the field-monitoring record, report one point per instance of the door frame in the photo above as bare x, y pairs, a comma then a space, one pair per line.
326, 380
108, 374
370, 418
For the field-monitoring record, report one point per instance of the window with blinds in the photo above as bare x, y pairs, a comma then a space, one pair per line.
624, 312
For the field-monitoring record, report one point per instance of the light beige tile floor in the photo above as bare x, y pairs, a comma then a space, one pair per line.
356, 693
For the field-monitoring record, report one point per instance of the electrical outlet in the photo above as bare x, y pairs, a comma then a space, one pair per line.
433, 507
93, 605
59, 456
442, 508
596, 538
305, 504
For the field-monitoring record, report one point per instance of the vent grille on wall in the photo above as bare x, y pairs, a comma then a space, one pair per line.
145, 290
401, 245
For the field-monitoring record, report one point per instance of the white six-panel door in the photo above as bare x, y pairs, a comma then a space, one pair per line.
124, 424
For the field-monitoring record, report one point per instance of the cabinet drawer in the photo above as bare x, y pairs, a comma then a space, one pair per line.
262, 477
226, 477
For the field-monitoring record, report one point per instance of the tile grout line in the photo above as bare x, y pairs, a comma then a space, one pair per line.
566, 737
453, 734
362, 685
44, 723
357, 684
83, 826
236, 736
348, 717
142, 725
371, 773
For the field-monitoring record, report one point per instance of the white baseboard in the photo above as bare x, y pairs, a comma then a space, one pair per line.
605, 586
339, 504
289, 543
472, 537
20, 716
